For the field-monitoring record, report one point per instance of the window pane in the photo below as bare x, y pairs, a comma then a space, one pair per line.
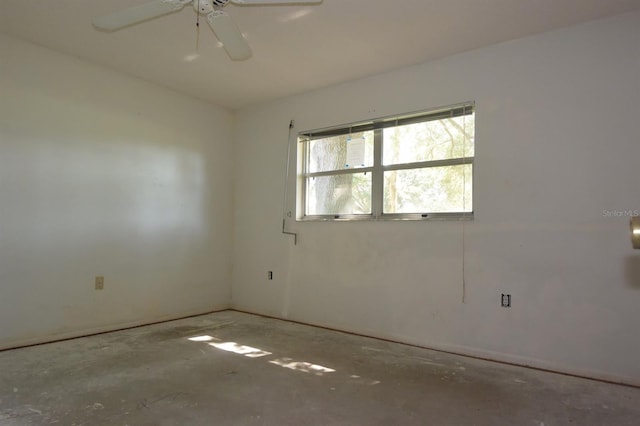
340, 194
429, 190
333, 153
429, 141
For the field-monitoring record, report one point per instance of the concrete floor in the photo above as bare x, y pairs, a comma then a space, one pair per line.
242, 369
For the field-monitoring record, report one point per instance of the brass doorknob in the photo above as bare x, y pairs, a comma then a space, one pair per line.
635, 232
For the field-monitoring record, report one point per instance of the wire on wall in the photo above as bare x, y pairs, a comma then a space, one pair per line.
286, 213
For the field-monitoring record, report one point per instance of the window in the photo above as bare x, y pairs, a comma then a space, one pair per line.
416, 166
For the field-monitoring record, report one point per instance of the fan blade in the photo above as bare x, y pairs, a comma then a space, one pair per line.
229, 35
133, 15
275, 2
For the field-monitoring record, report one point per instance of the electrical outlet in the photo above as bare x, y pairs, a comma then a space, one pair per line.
99, 283
505, 300
269, 275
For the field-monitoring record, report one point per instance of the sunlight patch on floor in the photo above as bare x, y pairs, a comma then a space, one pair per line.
305, 367
202, 338
251, 352
247, 351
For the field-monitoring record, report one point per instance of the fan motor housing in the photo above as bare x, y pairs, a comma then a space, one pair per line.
205, 7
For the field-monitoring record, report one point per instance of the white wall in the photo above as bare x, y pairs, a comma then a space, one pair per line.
557, 143
103, 174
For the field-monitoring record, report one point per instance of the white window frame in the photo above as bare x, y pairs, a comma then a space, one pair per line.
378, 169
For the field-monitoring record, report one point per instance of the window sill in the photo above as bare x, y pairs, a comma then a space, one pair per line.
390, 218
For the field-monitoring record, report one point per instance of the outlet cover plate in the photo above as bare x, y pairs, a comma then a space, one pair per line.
505, 300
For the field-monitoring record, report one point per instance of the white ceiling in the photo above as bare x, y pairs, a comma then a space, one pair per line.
296, 48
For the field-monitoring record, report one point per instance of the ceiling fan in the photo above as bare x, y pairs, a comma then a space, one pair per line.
220, 22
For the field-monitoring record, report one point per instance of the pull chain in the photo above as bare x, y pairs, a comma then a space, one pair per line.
198, 27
